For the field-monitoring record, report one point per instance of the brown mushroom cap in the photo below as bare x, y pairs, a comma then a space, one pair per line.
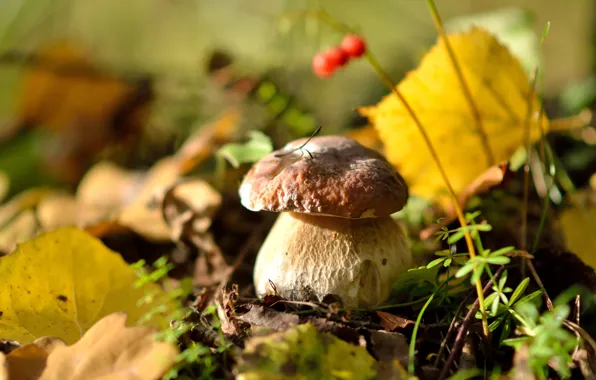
343, 179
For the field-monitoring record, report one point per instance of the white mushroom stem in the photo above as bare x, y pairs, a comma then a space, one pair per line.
357, 259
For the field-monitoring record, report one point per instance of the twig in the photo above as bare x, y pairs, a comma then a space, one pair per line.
459, 339
451, 329
547, 300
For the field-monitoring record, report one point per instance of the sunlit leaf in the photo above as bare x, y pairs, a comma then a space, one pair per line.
500, 89
61, 283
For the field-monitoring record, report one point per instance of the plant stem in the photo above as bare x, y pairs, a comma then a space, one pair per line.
458, 210
464, 85
412, 350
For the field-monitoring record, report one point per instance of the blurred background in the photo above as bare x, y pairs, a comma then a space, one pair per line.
129, 81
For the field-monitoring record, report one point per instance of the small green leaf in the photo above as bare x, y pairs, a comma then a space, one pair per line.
456, 237
465, 270
435, 262
502, 251
516, 342
258, 146
477, 273
495, 305
499, 260
497, 322
503, 280
521, 288
529, 297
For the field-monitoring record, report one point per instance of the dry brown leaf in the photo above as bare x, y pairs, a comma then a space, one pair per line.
25, 363
109, 350
105, 189
58, 210
392, 322
145, 216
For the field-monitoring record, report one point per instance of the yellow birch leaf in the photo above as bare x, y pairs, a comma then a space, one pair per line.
60, 283
500, 89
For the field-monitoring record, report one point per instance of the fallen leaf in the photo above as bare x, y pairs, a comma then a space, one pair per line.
109, 350
392, 322
60, 283
578, 224
24, 363
302, 352
111, 198
266, 317
58, 210
500, 89
105, 189
144, 214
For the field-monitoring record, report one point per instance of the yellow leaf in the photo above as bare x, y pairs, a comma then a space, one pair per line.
109, 350
62, 282
578, 224
302, 352
500, 89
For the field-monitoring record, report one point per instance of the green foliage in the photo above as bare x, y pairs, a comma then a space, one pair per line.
547, 340
258, 146
195, 361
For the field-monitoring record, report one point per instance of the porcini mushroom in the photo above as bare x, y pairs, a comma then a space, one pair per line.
335, 234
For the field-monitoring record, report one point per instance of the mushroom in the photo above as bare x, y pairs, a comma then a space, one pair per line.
335, 234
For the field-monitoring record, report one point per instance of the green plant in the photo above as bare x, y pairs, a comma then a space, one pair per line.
196, 360
548, 343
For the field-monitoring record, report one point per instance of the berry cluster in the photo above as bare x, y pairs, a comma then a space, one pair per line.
325, 63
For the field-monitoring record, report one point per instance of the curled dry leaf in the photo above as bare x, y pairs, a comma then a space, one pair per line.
109, 350
60, 283
392, 322
134, 200
501, 91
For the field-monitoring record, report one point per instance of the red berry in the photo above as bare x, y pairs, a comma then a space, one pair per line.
337, 56
353, 46
322, 66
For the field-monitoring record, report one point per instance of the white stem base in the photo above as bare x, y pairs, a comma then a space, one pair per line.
311, 255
